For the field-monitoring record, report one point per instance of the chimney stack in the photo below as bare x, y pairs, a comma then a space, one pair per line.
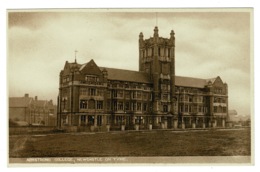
36, 98
26, 95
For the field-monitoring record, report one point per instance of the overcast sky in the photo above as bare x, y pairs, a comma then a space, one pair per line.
208, 44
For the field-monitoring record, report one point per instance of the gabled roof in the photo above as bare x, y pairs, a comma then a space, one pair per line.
19, 101
40, 103
127, 75
90, 68
190, 82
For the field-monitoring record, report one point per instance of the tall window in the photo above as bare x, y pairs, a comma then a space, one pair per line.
120, 106
145, 107
186, 108
127, 94
127, 106
83, 104
92, 91
99, 104
120, 93
139, 105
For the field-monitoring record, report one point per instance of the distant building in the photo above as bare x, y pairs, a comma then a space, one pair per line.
31, 111
89, 94
235, 119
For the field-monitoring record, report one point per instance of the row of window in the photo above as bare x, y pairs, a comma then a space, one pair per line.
194, 99
218, 91
92, 92
219, 100
193, 109
133, 106
220, 109
129, 94
128, 86
66, 79
162, 51
91, 104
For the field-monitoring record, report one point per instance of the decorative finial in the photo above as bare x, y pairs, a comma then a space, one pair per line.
156, 31
76, 56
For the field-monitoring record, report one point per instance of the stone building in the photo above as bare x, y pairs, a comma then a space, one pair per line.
32, 111
151, 97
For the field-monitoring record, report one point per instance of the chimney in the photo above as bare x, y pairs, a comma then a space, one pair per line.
36, 98
26, 95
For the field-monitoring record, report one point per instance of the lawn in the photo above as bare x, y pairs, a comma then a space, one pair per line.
235, 142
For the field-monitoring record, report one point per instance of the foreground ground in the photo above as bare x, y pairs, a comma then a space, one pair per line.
221, 142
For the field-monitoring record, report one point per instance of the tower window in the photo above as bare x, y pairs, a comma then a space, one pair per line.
165, 108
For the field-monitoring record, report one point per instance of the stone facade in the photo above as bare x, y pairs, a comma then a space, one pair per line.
153, 97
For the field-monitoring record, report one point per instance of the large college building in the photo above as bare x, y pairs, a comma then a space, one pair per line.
151, 98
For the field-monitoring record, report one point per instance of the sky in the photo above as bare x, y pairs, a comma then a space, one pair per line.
208, 44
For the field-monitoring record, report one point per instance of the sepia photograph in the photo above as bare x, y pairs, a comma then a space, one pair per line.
130, 86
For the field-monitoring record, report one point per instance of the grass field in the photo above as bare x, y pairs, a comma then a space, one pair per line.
233, 142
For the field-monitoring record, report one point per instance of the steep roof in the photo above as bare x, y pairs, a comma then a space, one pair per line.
127, 75
40, 103
19, 101
190, 82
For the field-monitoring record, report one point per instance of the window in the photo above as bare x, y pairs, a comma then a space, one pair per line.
186, 108
83, 104
165, 108
139, 105
120, 106
120, 93
127, 94
127, 106
190, 99
144, 107
91, 78
99, 104
99, 92
114, 93
92, 92
224, 109
138, 95
169, 52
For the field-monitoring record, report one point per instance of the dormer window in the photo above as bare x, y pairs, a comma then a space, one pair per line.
91, 78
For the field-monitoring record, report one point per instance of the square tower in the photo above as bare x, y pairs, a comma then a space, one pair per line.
157, 58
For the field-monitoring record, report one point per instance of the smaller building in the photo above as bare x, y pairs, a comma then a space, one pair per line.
31, 111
